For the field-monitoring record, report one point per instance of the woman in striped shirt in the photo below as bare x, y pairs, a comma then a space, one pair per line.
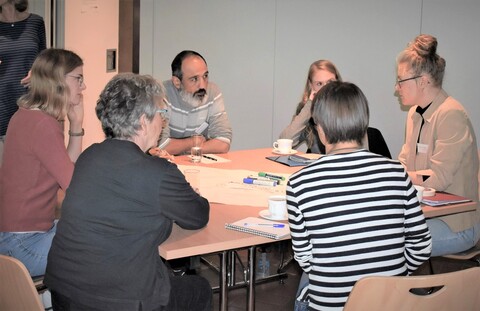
352, 213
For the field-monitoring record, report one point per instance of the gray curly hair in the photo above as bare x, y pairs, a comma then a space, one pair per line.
125, 98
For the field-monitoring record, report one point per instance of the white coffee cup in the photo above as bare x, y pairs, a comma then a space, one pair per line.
277, 207
419, 192
283, 145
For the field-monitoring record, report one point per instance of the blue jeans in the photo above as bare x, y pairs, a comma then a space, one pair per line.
445, 241
30, 248
301, 305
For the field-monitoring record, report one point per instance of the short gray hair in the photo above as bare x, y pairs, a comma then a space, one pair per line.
341, 109
125, 98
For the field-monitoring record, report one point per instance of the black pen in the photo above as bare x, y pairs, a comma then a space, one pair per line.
210, 158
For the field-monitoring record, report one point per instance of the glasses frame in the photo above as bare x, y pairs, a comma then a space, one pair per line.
405, 80
79, 78
163, 113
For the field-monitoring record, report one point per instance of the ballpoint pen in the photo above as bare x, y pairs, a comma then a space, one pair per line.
210, 158
264, 225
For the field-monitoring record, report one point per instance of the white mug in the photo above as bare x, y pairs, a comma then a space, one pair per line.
419, 192
283, 145
277, 206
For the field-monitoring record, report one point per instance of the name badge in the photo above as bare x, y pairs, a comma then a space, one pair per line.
422, 148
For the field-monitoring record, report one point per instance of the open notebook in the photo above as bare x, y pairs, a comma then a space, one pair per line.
269, 229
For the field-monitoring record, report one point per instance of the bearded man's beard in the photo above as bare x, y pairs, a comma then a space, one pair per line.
196, 99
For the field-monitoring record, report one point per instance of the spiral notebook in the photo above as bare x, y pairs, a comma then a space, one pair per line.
269, 229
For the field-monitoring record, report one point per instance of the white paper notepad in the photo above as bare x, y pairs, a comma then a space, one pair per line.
262, 227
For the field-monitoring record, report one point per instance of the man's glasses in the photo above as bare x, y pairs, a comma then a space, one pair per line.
79, 79
404, 80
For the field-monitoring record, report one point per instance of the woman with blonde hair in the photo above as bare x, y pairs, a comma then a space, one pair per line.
36, 163
440, 149
302, 128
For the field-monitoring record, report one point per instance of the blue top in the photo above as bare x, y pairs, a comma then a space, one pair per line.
20, 43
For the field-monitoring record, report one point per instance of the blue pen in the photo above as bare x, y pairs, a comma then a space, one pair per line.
268, 225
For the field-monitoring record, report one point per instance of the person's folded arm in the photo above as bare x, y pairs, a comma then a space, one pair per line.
299, 122
180, 202
302, 248
219, 128
418, 241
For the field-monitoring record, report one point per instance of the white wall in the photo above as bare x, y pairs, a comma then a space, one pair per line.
91, 27
259, 53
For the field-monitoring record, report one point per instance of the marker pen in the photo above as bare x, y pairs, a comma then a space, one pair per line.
271, 183
263, 178
271, 176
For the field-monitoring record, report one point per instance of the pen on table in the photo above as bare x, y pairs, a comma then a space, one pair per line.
259, 182
267, 225
210, 158
262, 174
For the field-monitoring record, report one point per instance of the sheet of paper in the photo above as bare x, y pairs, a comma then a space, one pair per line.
227, 187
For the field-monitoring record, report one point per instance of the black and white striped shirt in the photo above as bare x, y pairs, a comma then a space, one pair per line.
352, 215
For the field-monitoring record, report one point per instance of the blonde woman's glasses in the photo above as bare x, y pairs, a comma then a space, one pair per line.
79, 79
405, 80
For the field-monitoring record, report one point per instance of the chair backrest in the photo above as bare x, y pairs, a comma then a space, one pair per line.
17, 291
460, 291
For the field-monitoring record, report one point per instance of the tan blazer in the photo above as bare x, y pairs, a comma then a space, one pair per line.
447, 152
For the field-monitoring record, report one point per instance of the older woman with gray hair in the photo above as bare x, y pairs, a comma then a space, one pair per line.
120, 206
352, 213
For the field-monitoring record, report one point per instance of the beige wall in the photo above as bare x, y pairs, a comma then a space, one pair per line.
91, 27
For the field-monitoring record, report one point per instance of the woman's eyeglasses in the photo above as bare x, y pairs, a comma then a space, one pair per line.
79, 79
404, 80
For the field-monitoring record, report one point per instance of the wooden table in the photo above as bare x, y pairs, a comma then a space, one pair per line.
214, 238
431, 212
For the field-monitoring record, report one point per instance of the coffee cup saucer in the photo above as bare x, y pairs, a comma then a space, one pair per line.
292, 151
266, 214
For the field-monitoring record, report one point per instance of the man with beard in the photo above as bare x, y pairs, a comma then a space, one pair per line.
195, 108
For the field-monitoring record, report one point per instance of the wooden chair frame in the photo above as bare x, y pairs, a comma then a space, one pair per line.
459, 290
17, 291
